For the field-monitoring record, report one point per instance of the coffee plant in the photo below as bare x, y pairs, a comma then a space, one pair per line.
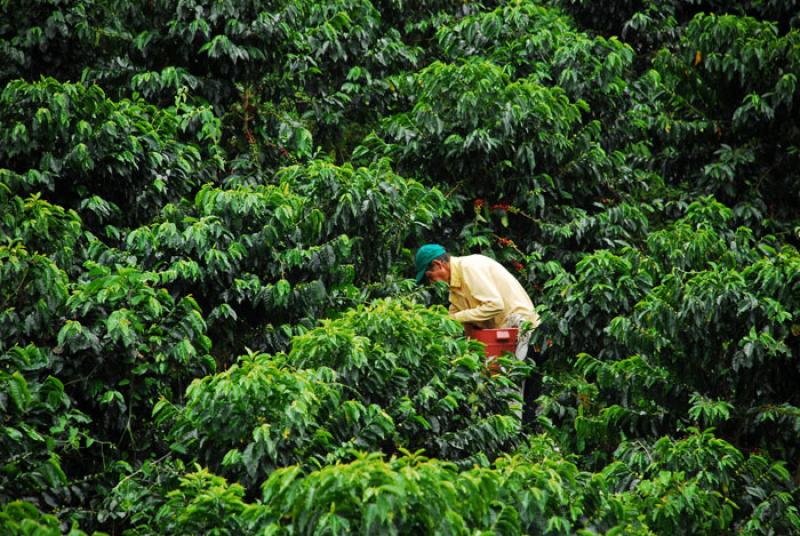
208, 218
363, 381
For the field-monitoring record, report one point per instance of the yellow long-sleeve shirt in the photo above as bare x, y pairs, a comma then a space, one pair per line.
483, 292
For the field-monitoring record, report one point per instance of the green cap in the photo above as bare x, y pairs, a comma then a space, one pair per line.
425, 256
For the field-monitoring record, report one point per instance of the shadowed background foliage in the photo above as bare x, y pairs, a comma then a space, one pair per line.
208, 211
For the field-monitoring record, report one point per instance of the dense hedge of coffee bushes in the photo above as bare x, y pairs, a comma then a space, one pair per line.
208, 213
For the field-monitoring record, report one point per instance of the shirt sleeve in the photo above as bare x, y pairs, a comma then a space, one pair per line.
481, 285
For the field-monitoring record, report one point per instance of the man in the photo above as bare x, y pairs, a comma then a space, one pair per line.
482, 292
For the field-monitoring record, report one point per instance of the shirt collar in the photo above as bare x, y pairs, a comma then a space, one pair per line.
455, 272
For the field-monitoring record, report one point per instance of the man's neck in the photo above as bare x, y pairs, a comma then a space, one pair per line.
455, 272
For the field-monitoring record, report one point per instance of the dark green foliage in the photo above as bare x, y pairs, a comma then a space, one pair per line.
40, 226
482, 124
732, 83
125, 335
542, 43
54, 38
40, 425
289, 251
708, 310
34, 292
118, 162
711, 471
640, 17
208, 214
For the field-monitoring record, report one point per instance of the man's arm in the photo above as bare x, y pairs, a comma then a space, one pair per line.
484, 291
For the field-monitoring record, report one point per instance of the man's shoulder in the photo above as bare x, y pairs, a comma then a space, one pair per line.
477, 260
478, 264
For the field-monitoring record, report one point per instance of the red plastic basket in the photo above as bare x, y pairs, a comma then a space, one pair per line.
497, 341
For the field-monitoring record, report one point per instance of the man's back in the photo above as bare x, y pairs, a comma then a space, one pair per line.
483, 292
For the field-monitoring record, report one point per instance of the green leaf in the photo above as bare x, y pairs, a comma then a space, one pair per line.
17, 389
